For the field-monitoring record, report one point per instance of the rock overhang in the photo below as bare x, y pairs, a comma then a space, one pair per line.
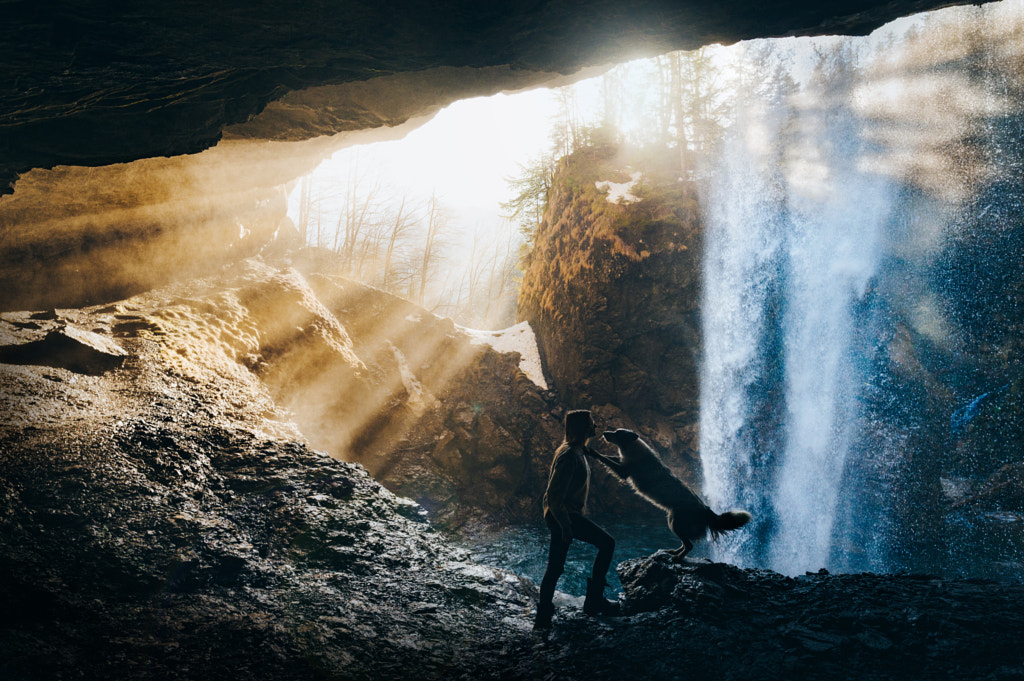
95, 83
156, 140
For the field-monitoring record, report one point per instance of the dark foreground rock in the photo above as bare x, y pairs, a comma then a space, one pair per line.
67, 347
164, 518
155, 552
277, 563
702, 620
154, 526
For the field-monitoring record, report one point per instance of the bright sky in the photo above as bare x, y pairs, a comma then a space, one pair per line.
463, 154
469, 147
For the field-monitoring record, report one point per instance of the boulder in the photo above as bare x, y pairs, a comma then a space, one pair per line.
68, 347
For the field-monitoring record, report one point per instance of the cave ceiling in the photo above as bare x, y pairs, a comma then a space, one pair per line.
89, 86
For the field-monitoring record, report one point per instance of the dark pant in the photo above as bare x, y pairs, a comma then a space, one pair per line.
584, 530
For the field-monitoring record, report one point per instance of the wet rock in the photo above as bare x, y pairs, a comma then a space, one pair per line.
1002, 489
67, 347
153, 541
164, 521
827, 626
466, 433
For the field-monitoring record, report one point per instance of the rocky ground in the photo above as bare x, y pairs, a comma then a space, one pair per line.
163, 517
162, 526
707, 620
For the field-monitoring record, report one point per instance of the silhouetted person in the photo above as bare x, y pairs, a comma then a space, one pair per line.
564, 504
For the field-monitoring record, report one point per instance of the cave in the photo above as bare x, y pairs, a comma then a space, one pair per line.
226, 456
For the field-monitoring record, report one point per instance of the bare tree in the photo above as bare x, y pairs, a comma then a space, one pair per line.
568, 134
437, 223
359, 206
675, 90
472, 275
612, 98
484, 294
305, 206
402, 225
319, 222
501, 285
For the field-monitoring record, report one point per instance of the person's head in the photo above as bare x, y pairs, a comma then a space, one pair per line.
579, 425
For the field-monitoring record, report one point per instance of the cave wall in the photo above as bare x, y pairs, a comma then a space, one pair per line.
94, 83
92, 87
76, 235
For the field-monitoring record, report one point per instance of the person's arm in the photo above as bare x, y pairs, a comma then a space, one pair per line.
614, 465
558, 483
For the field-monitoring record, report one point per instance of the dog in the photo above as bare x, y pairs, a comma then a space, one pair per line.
689, 518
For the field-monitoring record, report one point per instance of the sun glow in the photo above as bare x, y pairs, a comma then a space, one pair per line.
465, 154
462, 155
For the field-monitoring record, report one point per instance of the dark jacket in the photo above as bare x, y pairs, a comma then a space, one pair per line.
568, 484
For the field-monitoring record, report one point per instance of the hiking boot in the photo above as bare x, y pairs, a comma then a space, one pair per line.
595, 603
544, 613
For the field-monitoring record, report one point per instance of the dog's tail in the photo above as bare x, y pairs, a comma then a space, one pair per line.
718, 524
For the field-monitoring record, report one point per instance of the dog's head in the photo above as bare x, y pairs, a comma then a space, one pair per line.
620, 437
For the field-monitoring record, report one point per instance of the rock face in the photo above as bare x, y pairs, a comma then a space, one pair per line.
163, 525
455, 425
83, 236
163, 517
613, 292
68, 347
365, 376
706, 620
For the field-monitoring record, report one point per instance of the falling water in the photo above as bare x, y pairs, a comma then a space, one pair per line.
743, 246
792, 244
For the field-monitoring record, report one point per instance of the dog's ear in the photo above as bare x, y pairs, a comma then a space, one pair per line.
628, 435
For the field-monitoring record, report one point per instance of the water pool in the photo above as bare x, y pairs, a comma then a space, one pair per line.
523, 549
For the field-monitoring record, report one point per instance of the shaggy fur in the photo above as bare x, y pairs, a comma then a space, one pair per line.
689, 518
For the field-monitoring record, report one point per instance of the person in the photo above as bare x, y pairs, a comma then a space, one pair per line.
564, 504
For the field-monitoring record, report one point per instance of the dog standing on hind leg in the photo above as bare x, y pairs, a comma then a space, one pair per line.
689, 518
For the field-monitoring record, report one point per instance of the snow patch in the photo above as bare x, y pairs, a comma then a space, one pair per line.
619, 192
419, 399
519, 338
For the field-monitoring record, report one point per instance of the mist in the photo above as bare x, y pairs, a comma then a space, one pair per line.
838, 339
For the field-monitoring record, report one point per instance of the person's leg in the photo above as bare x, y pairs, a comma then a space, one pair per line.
557, 551
585, 530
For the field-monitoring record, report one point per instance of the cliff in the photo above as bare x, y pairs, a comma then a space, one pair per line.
612, 289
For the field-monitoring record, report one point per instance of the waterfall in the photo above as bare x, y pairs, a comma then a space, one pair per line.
793, 224
742, 249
